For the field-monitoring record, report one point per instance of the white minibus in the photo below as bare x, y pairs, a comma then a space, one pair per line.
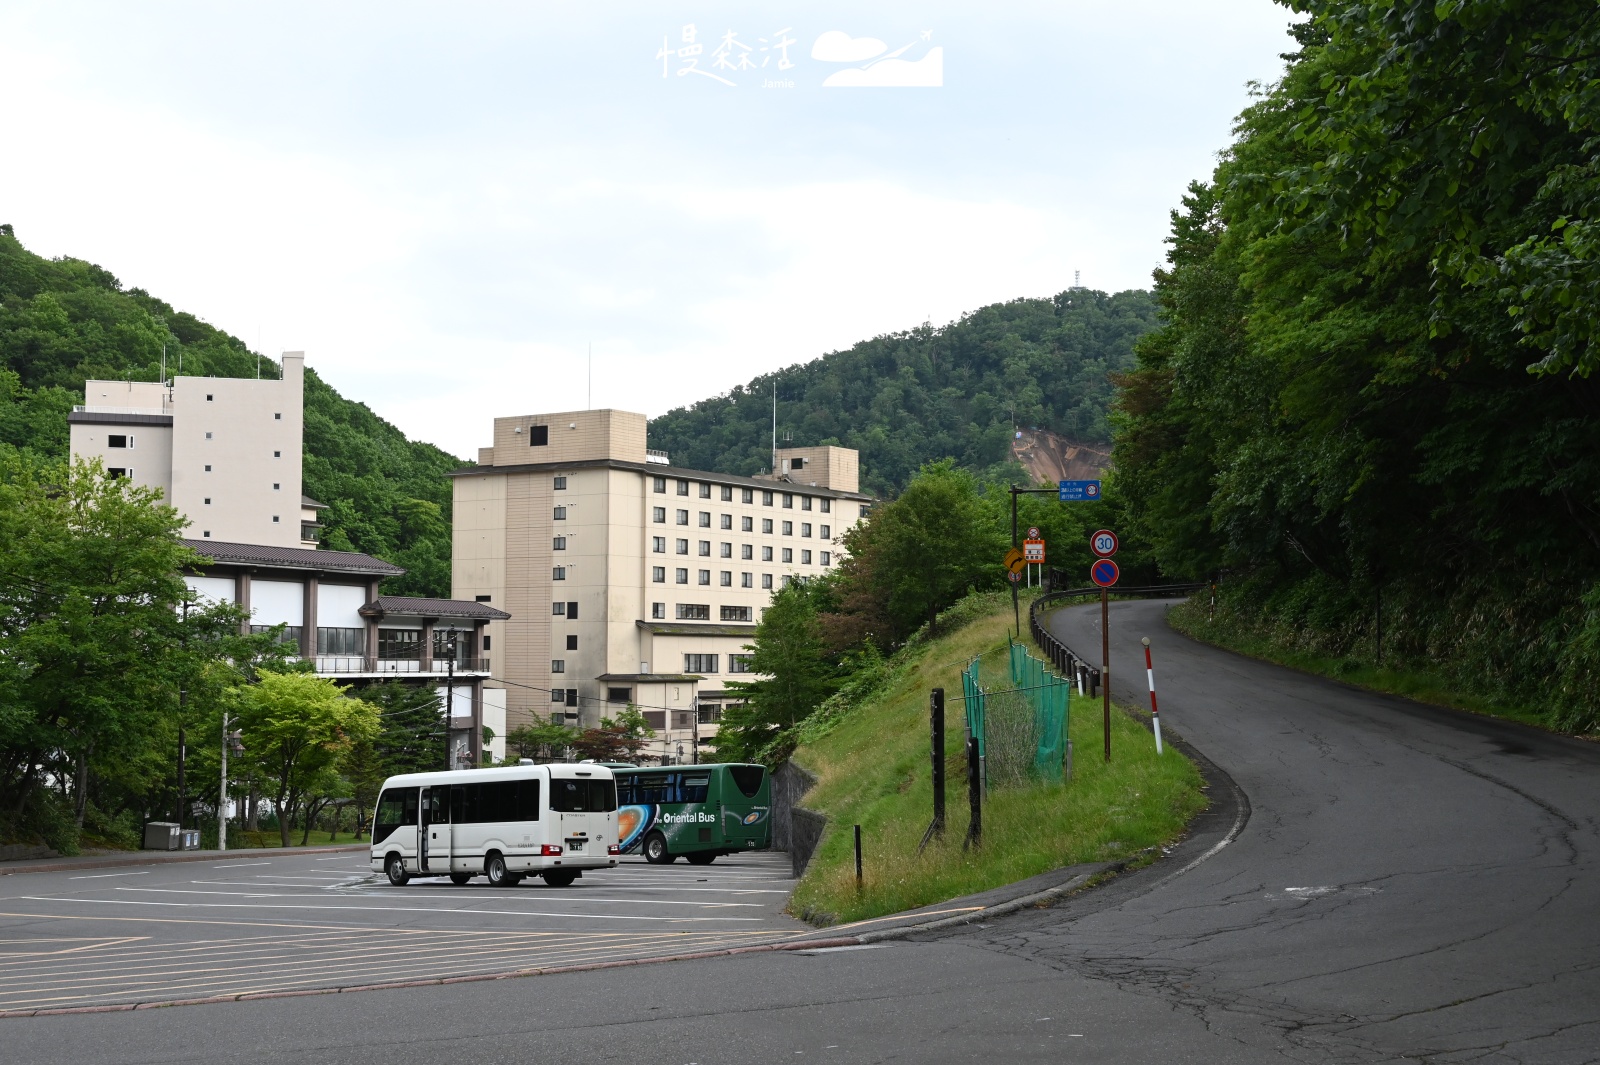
505, 823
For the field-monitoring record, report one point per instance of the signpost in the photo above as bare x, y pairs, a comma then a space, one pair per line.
1104, 573
1079, 491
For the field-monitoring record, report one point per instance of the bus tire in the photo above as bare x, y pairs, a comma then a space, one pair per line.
701, 858
494, 867
655, 850
560, 878
460, 879
394, 867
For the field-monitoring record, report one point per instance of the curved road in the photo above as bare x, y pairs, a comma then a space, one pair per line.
1396, 882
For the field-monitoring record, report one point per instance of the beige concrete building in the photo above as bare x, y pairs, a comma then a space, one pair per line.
629, 579
224, 451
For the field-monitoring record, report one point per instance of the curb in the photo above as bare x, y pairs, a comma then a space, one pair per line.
56, 865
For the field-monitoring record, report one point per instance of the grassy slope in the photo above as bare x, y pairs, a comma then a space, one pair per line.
873, 770
1190, 618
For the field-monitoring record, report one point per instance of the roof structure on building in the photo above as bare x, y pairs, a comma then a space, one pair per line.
693, 628
90, 417
654, 469
307, 501
417, 606
650, 678
293, 558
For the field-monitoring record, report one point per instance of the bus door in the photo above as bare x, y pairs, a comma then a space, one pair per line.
435, 840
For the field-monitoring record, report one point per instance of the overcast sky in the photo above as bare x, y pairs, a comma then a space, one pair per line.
446, 204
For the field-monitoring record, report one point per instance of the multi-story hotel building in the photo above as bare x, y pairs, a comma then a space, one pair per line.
629, 579
226, 453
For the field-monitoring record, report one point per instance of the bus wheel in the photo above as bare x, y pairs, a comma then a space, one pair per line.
494, 867
395, 869
560, 878
655, 850
701, 858
460, 879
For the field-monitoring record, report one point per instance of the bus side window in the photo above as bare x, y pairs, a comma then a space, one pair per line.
527, 800
695, 788
393, 807
625, 791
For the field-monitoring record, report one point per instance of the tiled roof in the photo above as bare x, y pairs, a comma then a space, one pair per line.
416, 606
694, 628
293, 558
307, 501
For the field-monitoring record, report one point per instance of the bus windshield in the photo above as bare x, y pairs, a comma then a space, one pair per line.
582, 796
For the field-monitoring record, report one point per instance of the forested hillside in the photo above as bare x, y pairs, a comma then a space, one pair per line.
1372, 405
64, 321
908, 398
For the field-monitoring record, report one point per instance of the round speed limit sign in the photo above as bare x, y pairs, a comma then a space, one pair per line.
1103, 543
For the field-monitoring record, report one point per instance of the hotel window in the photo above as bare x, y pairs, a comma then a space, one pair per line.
276, 487
208, 468
572, 643
558, 609
683, 488
727, 550
805, 528
705, 490
747, 495
558, 573
788, 554
119, 473
864, 509
745, 551
341, 641
561, 514
659, 515
683, 547
660, 484
740, 663
209, 397
658, 574
694, 611
705, 576
766, 525
538, 436
766, 554
658, 611
805, 502
558, 544
826, 532
558, 665
400, 644
747, 524
572, 611
766, 580
788, 528
805, 558
705, 548
683, 517
658, 544
682, 575
208, 437
827, 506
788, 500
700, 663
560, 484
827, 558
727, 521
726, 578
766, 499
705, 519
274, 519
206, 534
727, 493
117, 440
735, 613
275, 454
745, 580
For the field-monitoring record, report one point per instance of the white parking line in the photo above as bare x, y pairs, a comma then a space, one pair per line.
452, 897
326, 908
97, 876
238, 865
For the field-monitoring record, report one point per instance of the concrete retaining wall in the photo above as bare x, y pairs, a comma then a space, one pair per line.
794, 828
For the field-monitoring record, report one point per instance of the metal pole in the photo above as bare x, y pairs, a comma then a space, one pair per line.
694, 754
449, 709
936, 749
1150, 675
974, 798
1105, 665
222, 793
182, 755
858, 857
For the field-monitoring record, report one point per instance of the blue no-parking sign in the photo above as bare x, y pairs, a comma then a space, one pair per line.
1104, 572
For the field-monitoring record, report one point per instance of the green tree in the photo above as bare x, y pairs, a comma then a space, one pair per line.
542, 739
296, 727
618, 739
794, 671
938, 541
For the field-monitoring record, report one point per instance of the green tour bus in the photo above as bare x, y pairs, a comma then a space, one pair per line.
698, 811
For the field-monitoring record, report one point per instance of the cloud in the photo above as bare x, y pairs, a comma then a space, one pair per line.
836, 46
925, 73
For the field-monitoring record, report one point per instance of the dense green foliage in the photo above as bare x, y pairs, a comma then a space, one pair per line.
909, 398
1371, 390
65, 321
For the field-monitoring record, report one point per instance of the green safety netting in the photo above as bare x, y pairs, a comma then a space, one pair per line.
974, 699
1049, 695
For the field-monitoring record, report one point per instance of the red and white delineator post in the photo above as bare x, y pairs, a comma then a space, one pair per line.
1150, 675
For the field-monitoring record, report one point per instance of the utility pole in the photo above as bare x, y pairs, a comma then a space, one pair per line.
449, 705
222, 792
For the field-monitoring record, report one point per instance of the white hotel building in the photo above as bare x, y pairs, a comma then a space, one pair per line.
628, 579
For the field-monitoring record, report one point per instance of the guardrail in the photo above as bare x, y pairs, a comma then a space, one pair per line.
359, 664
1067, 661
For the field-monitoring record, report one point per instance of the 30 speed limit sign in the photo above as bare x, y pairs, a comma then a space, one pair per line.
1103, 543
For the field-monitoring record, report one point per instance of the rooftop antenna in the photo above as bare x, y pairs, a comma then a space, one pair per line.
1075, 280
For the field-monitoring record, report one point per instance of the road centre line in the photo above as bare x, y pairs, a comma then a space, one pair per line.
374, 909
96, 876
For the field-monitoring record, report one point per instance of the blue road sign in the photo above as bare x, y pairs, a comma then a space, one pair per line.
1078, 491
1104, 573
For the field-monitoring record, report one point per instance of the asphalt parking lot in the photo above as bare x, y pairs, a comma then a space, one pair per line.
172, 932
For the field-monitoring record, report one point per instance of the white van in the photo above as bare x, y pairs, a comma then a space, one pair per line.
505, 823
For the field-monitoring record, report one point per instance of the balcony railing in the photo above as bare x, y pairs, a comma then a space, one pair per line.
657, 457
358, 664
91, 408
